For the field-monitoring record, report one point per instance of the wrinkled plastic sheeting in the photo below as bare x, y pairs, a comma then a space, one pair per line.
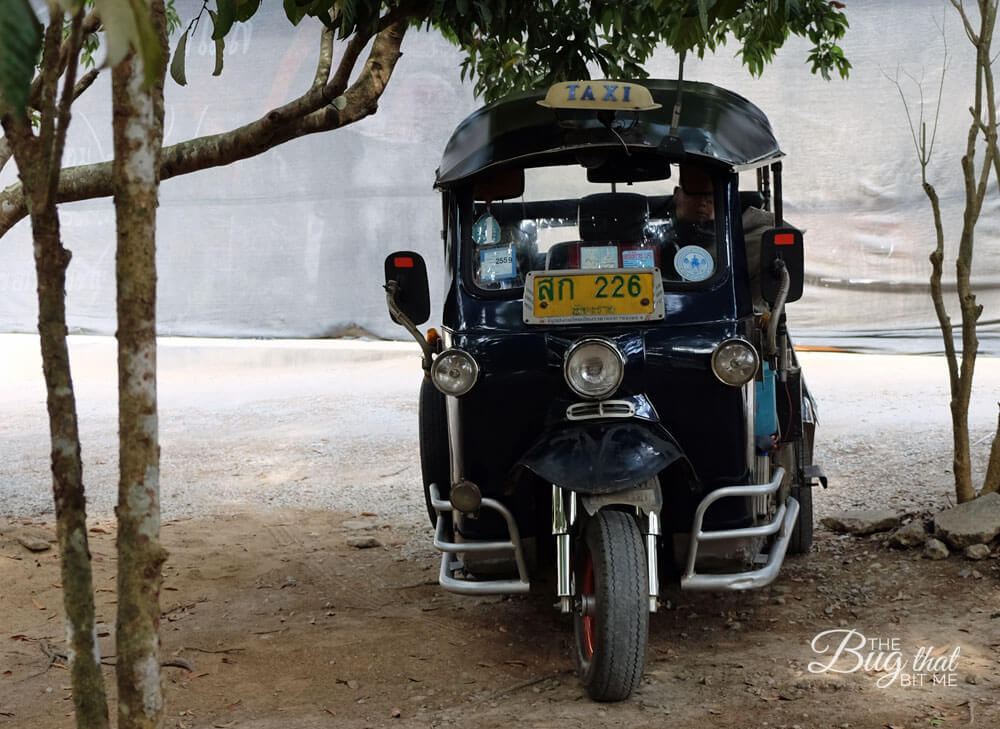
291, 243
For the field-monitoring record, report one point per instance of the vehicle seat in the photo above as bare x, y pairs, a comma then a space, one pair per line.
613, 216
751, 199
558, 256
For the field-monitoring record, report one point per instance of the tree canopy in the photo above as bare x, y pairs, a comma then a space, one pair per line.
509, 45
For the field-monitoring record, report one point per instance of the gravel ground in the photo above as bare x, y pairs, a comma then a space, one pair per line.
287, 453
331, 424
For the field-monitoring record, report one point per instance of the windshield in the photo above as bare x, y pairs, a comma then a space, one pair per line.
562, 222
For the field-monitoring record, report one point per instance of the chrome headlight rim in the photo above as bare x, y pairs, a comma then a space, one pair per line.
721, 348
442, 360
606, 344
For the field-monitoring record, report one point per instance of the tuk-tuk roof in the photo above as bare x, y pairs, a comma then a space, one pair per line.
716, 126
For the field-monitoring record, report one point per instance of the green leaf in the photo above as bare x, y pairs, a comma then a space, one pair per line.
245, 9
20, 42
147, 42
703, 14
293, 12
177, 62
129, 24
119, 28
220, 48
224, 21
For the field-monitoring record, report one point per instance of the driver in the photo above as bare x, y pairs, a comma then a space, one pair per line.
694, 207
694, 223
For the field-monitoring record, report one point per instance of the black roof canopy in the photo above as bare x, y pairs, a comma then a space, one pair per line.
717, 127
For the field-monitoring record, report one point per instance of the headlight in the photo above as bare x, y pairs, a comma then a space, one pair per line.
735, 362
454, 372
594, 368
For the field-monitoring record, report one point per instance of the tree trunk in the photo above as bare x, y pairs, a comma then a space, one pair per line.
991, 483
38, 160
51, 260
138, 137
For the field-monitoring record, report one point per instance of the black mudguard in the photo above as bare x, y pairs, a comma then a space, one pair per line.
601, 457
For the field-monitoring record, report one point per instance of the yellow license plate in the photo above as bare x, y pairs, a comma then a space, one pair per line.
606, 295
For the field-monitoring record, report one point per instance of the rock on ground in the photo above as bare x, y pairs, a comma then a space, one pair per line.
862, 521
935, 549
974, 522
911, 535
977, 551
34, 541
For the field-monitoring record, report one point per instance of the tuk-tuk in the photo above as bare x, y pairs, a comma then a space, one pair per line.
612, 395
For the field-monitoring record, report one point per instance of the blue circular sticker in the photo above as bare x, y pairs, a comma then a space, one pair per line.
486, 230
694, 263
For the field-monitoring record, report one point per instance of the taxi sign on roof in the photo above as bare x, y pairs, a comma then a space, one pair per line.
611, 95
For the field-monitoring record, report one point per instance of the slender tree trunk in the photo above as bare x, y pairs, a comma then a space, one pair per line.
991, 483
138, 137
38, 160
51, 260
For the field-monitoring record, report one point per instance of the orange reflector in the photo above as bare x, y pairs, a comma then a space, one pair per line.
433, 336
402, 262
784, 239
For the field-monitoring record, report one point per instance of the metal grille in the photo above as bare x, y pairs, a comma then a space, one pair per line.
602, 409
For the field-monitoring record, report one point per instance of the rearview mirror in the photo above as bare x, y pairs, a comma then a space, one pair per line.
409, 272
784, 244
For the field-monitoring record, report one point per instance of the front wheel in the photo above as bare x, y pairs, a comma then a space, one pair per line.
433, 430
612, 622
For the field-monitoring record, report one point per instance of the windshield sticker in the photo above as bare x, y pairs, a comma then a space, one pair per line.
497, 264
640, 258
486, 230
599, 257
694, 263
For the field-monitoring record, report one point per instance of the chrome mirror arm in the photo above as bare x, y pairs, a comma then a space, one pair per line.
390, 299
778, 309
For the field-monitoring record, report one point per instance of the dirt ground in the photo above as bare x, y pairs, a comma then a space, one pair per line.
275, 620
285, 625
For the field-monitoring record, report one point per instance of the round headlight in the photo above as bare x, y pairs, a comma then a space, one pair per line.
594, 368
735, 362
454, 372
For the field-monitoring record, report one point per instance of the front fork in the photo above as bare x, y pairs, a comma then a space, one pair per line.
564, 518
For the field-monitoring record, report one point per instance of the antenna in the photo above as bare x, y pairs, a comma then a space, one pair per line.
676, 120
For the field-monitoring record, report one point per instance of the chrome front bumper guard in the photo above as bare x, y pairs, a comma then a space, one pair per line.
782, 525
451, 563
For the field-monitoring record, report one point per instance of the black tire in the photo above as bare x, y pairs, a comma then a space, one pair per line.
802, 534
611, 572
435, 464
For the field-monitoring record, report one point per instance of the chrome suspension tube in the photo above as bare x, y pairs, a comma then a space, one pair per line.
653, 532
563, 517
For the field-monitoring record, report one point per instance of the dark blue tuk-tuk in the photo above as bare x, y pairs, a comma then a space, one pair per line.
612, 394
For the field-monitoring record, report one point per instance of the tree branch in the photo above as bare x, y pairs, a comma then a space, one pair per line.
85, 82
5, 152
338, 83
937, 296
72, 46
325, 61
91, 24
969, 31
86, 182
48, 89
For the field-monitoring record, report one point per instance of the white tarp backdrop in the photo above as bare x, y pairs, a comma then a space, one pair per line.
291, 243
